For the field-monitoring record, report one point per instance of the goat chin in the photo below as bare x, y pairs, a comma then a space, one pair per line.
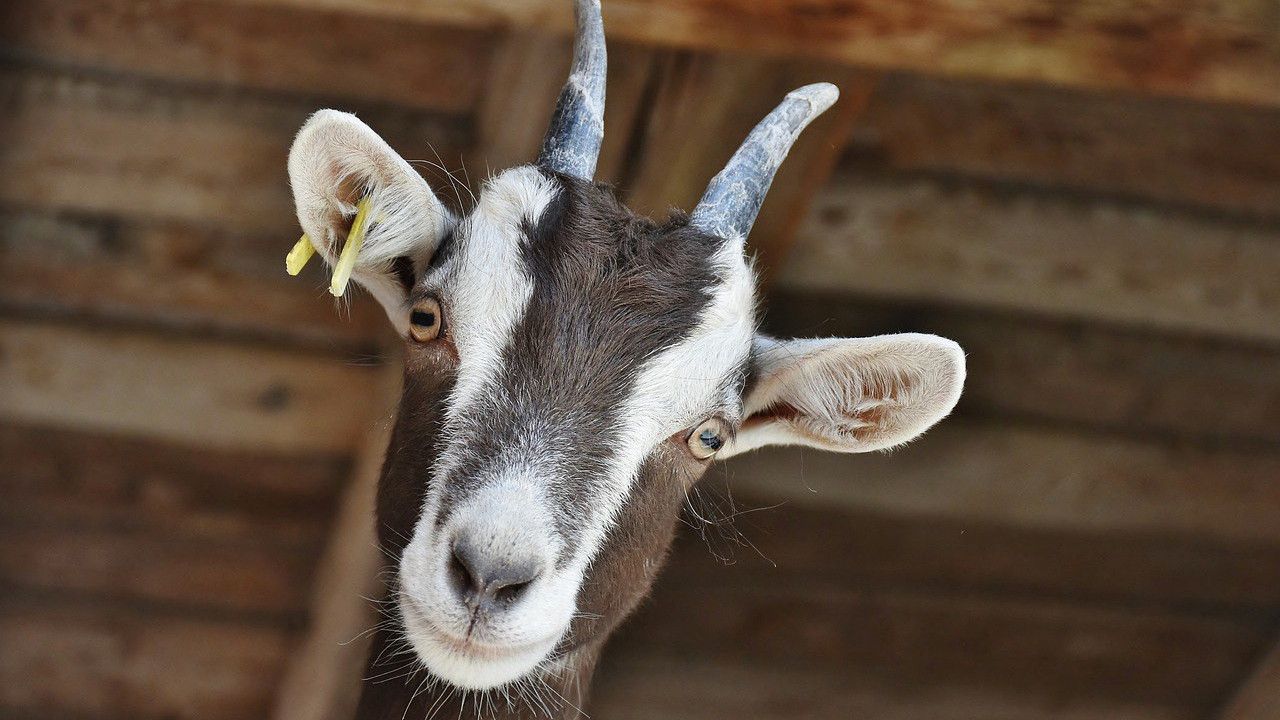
474, 668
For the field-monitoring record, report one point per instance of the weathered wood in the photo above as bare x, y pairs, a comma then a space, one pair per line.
1221, 50
260, 578
1038, 478
68, 658
174, 275
293, 50
820, 545
637, 688
150, 522
703, 108
1223, 157
1258, 697
76, 142
62, 478
906, 643
322, 678
198, 391
971, 243
1083, 374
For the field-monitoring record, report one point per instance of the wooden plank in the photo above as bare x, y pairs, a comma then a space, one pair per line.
824, 546
98, 660
188, 390
174, 275
633, 688
977, 244
1258, 698
61, 478
704, 107
212, 157
1025, 476
1222, 157
1081, 374
293, 50
262, 579
1040, 652
141, 521
322, 679
1221, 50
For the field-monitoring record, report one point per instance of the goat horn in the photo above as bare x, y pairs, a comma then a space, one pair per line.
732, 200
572, 142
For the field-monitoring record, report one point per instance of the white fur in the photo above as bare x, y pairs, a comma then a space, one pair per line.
488, 293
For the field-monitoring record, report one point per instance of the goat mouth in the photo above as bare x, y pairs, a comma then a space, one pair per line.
467, 646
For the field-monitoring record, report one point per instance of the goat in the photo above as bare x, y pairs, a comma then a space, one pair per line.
572, 369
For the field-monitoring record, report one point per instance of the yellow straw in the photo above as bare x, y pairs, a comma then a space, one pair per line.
350, 249
299, 255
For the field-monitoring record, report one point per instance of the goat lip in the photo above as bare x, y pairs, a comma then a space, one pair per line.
470, 647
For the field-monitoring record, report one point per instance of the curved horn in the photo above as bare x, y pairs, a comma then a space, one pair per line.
573, 138
729, 206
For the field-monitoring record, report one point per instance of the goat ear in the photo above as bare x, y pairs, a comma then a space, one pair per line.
335, 163
848, 395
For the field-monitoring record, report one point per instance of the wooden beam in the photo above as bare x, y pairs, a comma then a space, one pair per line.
1225, 51
322, 681
83, 143
970, 243
1083, 374
65, 658
187, 390
1220, 157
1030, 477
781, 542
1052, 658
1258, 697
174, 275
703, 108
284, 49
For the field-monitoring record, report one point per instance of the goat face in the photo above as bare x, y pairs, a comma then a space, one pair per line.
571, 371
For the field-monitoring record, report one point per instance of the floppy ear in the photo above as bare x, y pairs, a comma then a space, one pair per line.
337, 162
848, 395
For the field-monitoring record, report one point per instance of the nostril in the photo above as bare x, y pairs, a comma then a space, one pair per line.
460, 573
507, 594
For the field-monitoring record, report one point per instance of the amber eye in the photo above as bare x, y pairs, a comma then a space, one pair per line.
425, 320
707, 439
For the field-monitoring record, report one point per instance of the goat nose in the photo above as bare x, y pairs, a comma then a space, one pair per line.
489, 579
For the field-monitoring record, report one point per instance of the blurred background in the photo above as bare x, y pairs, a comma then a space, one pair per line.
1085, 195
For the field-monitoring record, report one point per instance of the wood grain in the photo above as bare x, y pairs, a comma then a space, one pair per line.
1220, 50
289, 50
120, 146
101, 660
187, 390
909, 644
1032, 477
178, 276
969, 243
1223, 158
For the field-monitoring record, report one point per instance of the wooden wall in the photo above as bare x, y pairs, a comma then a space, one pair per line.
1087, 199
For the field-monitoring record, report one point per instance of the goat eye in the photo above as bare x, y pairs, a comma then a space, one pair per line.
425, 320
707, 439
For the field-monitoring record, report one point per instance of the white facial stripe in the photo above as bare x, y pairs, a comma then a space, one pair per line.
675, 389
489, 289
